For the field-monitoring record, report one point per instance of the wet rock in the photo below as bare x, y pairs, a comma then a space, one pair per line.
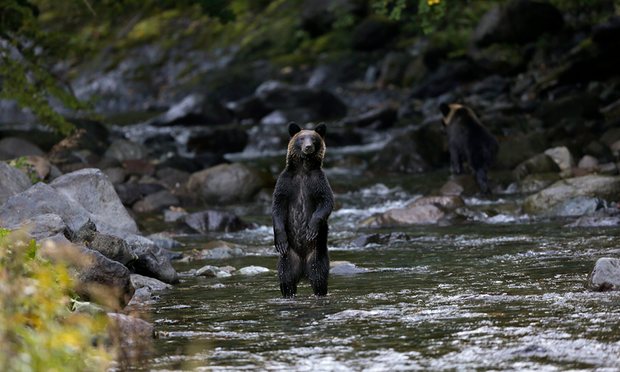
214, 272
606, 275
12, 182
415, 215
151, 261
156, 202
225, 183
212, 220
373, 33
98, 278
596, 221
154, 285
322, 104
174, 214
132, 335
110, 246
13, 147
578, 206
541, 163
122, 150
604, 187
536, 182
562, 157
517, 21
172, 178
345, 268
252, 270
588, 162
194, 109
378, 118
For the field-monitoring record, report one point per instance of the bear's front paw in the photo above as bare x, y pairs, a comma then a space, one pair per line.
281, 244
312, 233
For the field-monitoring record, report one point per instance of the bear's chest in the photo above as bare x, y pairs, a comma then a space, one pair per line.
303, 201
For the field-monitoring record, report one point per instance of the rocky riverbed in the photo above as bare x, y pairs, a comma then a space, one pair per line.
172, 182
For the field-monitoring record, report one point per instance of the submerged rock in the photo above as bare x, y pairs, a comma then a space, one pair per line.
141, 281
606, 275
252, 270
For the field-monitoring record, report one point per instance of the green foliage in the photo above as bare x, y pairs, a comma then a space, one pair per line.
22, 163
38, 331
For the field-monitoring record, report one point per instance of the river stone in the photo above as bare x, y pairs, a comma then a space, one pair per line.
459, 185
596, 221
218, 250
156, 202
208, 271
540, 163
444, 202
578, 206
562, 157
116, 175
12, 182
225, 183
415, 215
604, 187
536, 182
211, 220
122, 150
98, 278
606, 275
194, 109
164, 240
133, 336
588, 162
152, 261
252, 270
141, 281
41, 226
345, 268
92, 190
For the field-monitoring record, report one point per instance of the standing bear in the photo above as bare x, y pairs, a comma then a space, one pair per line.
302, 202
469, 140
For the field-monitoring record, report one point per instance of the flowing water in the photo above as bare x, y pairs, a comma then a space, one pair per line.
470, 296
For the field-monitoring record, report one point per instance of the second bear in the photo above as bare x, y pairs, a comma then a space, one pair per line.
302, 202
469, 140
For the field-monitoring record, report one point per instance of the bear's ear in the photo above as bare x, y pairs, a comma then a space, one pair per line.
444, 108
321, 129
293, 128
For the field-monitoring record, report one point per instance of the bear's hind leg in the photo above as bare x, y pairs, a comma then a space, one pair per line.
317, 267
289, 273
482, 181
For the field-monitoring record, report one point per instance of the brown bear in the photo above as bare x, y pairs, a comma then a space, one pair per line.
469, 140
302, 202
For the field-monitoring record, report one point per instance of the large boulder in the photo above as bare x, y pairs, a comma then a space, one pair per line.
225, 183
98, 278
604, 187
424, 214
517, 21
606, 275
122, 150
12, 182
13, 147
92, 190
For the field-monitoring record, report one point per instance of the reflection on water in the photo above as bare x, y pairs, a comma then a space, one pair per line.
472, 296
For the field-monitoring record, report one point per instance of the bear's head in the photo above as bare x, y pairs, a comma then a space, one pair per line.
455, 113
306, 145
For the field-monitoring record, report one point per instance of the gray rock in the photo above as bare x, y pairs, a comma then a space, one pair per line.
41, 226
415, 215
208, 271
604, 187
122, 150
211, 220
194, 109
562, 157
98, 278
443, 202
152, 261
588, 162
606, 275
116, 175
92, 190
596, 221
156, 202
345, 268
154, 285
12, 182
173, 215
378, 118
541, 163
133, 335
13, 147
164, 241
226, 183
218, 249
577, 207
252, 270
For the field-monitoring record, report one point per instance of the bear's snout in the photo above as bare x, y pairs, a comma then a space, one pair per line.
307, 149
